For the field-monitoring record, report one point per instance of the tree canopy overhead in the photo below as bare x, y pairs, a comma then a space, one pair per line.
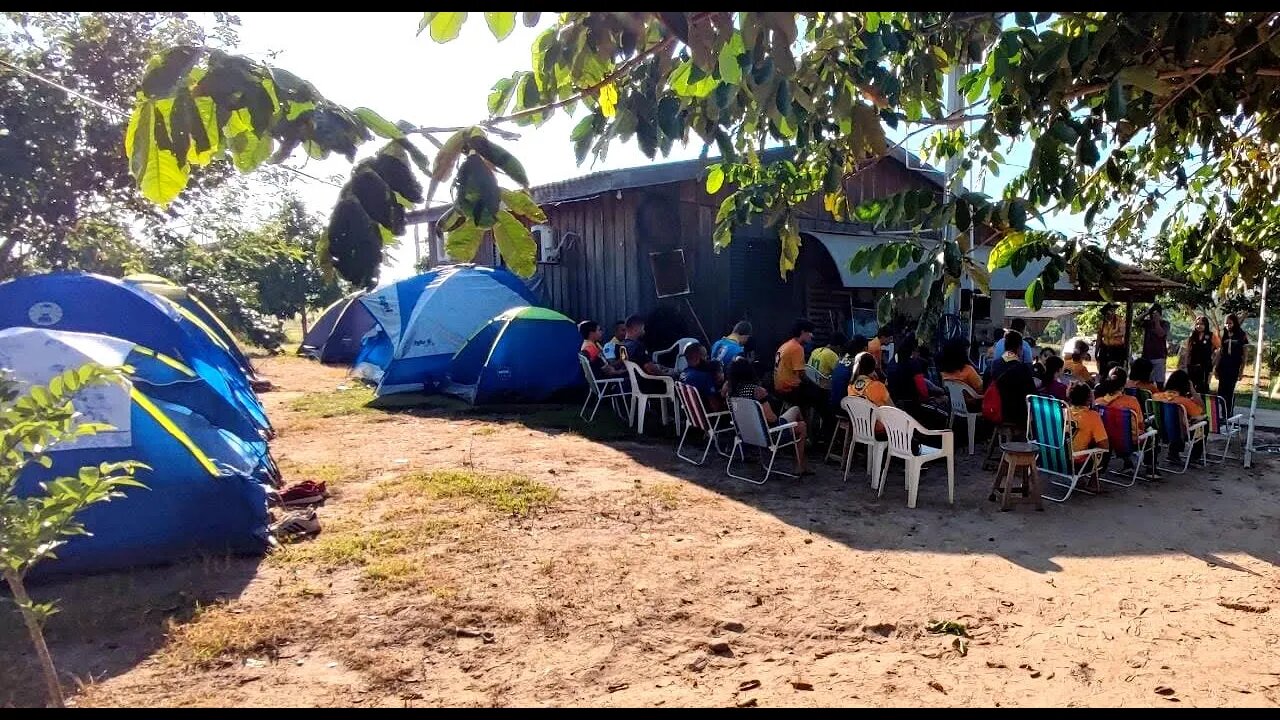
1122, 111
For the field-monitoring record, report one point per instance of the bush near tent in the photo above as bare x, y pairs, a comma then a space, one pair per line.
199, 314
526, 354
423, 321
205, 491
336, 335
83, 302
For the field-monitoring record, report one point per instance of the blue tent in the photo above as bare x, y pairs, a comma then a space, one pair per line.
335, 337
97, 304
205, 489
192, 309
526, 354
423, 322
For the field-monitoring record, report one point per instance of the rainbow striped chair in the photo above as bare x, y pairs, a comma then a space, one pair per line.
1171, 423
1221, 425
1119, 424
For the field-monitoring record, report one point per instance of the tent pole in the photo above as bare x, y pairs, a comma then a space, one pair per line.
1128, 334
1257, 375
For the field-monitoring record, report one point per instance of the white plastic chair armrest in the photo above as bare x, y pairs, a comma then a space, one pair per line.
1148, 434
779, 428
1197, 426
1234, 419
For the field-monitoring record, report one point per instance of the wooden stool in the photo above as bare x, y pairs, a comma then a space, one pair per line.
1017, 458
1000, 434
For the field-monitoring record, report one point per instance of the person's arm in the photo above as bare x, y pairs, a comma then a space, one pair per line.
1161, 330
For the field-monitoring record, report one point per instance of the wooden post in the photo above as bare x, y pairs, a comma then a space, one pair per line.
1128, 332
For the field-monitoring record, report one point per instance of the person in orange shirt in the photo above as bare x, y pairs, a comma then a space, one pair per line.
1110, 393
1089, 431
1177, 389
1074, 364
868, 386
954, 365
875, 346
1141, 376
791, 385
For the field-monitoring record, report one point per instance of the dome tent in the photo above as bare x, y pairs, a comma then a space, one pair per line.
336, 335
526, 354
424, 320
83, 302
204, 492
197, 312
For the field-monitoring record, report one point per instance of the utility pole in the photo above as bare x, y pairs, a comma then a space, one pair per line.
1257, 373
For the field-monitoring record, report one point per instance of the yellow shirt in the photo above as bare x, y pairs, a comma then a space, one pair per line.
967, 375
1113, 332
1089, 429
788, 366
824, 360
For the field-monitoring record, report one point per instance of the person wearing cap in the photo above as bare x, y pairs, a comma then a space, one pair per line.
1155, 341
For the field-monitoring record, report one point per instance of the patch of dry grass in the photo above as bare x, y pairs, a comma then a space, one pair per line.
666, 494
218, 632
334, 403
505, 493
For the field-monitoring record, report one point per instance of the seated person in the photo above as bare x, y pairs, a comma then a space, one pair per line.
1110, 394
1140, 376
632, 349
868, 386
954, 365
824, 359
876, 346
1089, 431
1074, 365
601, 369
742, 383
1052, 384
842, 375
611, 347
731, 346
1178, 389
789, 381
704, 376
1014, 382
912, 390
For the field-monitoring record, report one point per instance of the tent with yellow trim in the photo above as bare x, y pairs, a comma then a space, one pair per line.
204, 318
82, 302
206, 487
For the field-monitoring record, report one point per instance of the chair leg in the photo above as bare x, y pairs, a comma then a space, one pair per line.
879, 460
711, 438
848, 459
642, 405
884, 473
583, 412
973, 431
913, 482
680, 447
951, 480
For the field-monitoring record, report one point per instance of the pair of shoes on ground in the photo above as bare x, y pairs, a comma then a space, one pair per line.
306, 492
296, 524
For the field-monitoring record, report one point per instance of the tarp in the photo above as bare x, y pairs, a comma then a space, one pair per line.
424, 320
205, 490
336, 335
82, 302
200, 314
526, 354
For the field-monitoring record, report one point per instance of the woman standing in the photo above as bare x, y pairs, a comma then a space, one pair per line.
1201, 345
1230, 367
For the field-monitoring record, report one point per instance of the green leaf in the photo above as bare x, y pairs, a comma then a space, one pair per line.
500, 23
477, 196
501, 159
378, 124
1145, 78
727, 60
1034, 295
1004, 250
516, 244
1024, 19
715, 179
462, 244
168, 70
425, 22
500, 97
530, 19
448, 154
445, 26
520, 203
684, 86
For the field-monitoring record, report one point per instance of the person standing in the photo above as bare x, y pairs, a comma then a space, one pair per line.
1230, 367
1111, 347
1199, 349
1155, 342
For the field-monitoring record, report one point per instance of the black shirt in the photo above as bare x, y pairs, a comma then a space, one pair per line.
634, 351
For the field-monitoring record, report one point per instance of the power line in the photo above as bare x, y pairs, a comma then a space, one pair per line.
122, 114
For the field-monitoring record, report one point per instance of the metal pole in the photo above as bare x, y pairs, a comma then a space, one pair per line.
1257, 375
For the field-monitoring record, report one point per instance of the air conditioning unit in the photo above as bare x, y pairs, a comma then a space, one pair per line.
548, 248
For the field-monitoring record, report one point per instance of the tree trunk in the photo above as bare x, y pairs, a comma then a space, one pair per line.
304, 321
37, 639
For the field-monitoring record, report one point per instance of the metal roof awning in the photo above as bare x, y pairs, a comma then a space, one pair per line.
1044, 313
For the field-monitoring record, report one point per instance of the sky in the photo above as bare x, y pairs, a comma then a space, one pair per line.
378, 60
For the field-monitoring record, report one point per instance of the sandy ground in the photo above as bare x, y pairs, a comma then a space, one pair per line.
648, 581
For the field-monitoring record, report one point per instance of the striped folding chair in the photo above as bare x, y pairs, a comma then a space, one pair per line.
1220, 425
1119, 424
1171, 424
1049, 431
696, 416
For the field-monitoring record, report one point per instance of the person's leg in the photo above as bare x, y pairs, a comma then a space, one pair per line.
1227, 389
1158, 367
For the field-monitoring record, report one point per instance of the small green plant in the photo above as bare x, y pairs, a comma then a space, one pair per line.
33, 528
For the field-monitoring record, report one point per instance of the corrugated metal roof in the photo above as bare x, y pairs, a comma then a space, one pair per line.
605, 181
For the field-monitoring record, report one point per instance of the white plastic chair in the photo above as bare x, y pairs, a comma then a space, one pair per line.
817, 378
612, 389
752, 429
640, 400
901, 428
959, 393
696, 416
862, 421
673, 357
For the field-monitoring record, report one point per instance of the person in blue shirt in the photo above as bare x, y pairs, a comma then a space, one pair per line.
842, 375
1027, 355
703, 375
727, 348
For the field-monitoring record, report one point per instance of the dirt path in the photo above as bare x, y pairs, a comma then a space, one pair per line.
490, 562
